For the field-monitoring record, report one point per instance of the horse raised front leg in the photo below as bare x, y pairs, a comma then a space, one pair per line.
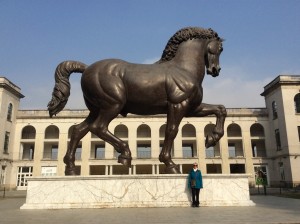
175, 115
218, 131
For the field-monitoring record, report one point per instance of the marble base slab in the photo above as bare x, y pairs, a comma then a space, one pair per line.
134, 191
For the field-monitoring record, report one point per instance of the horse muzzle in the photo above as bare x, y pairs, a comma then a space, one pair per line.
214, 72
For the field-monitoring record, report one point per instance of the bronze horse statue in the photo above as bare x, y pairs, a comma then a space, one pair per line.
172, 86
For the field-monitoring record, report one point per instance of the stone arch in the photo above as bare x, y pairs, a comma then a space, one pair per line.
51, 132
234, 130
188, 130
121, 131
143, 131
28, 132
257, 130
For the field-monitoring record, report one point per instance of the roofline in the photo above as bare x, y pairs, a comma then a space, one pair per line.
11, 87
67, 113
279, 81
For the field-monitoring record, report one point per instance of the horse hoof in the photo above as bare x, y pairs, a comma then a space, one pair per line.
70, 172
209, 141
126, 161
173, 169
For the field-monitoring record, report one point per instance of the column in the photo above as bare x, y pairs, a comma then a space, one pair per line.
134, 169
225, 154
62, 149
110, 169
247, 150
106, 170
85, 155
38, 152
153, 169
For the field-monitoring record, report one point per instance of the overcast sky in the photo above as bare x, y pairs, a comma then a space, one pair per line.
262, 42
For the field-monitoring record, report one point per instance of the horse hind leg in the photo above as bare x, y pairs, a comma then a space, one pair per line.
79, 131
100, 128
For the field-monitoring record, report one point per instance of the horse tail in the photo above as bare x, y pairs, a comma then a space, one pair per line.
61, 91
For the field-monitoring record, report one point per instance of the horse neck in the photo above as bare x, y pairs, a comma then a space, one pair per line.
191, 57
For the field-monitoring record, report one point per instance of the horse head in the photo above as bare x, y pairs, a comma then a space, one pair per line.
214, 49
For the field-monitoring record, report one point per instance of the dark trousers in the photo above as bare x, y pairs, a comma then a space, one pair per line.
195, 196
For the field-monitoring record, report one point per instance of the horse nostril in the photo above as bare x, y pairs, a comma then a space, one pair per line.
216, 70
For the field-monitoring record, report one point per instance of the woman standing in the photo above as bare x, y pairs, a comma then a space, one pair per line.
195, 183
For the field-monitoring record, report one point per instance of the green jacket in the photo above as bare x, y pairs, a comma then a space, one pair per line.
196, 176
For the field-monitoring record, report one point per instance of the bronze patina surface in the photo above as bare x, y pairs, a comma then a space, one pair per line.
172, 86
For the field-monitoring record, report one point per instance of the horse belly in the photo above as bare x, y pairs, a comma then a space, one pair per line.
144, 109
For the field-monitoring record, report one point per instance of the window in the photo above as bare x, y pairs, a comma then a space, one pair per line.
274, 109
50, 151
6, 142
237, 168
277, 137
78, 153
120, 170
54, 152
121, 131
143, 151
188, 150
299, 133
99, 152
257, 130
254, 150
9, 112
98, 169
188, 130
23, 173
231, 149
49, 170
52, 132
143, 169
213, 168
258, 140
28, 151
297, 103
143, 131
234, 130
210, 152
28, 132
281, 170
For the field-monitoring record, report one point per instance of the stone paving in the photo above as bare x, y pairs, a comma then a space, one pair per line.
268, 209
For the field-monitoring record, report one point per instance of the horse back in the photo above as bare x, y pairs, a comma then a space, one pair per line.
142, 88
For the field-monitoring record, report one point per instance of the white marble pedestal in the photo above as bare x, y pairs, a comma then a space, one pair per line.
134, 191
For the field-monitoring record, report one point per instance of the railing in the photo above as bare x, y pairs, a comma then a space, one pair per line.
3, 189
289, 186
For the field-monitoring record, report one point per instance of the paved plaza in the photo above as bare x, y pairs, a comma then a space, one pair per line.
268, 209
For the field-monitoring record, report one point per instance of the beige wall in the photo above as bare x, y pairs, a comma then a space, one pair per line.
191, 132
40, 120
9, 94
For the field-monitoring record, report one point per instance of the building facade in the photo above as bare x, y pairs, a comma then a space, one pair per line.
266, 139
10, 96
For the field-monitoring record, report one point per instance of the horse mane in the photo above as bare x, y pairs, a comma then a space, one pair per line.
182, 35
